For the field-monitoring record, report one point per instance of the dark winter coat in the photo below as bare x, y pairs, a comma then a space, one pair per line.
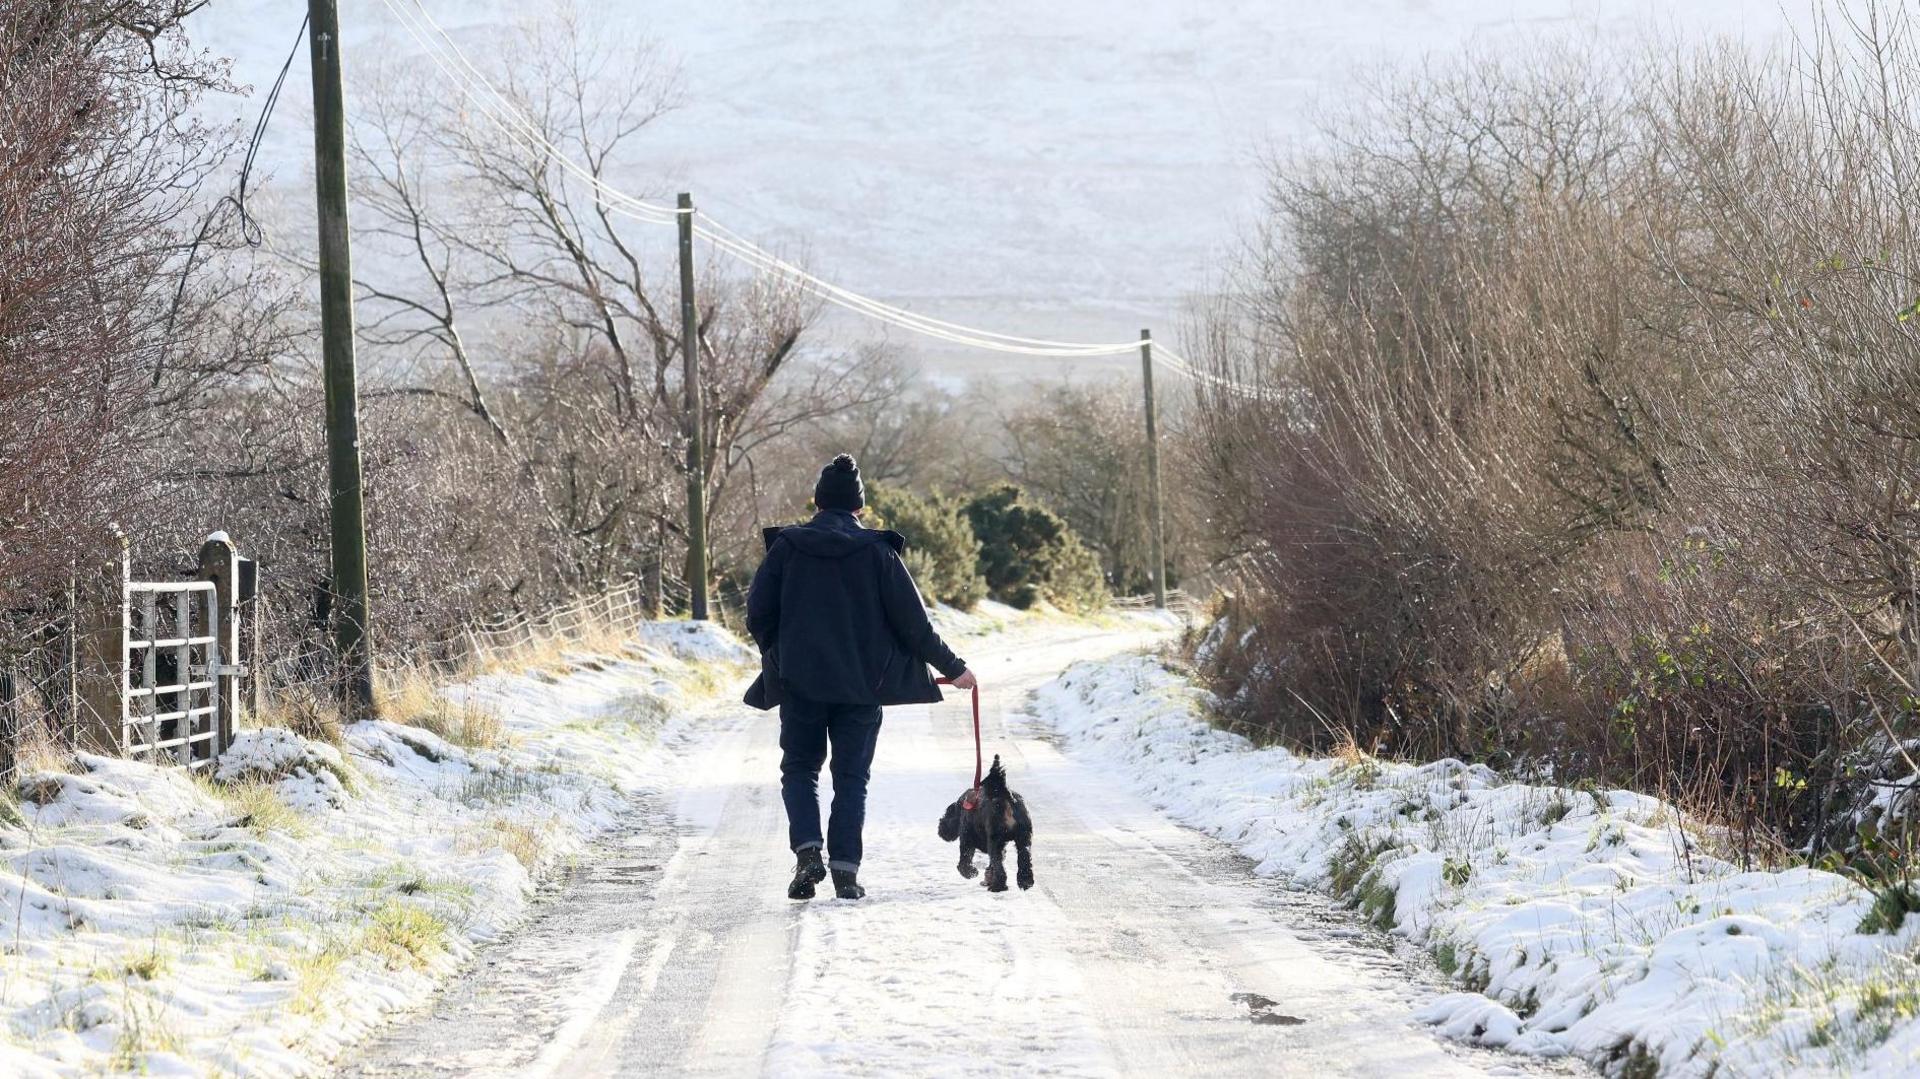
838, 619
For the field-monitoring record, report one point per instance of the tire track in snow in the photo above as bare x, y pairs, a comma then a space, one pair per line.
704, 1009
1145, 949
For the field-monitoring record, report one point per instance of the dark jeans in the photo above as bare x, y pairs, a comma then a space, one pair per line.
806, 728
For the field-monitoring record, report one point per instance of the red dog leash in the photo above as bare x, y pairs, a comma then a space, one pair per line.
973, 796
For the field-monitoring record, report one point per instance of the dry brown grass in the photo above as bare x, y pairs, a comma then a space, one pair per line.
413, 694
503, 833
255, 804
37, 751
304, 711
1347, 750
518, 840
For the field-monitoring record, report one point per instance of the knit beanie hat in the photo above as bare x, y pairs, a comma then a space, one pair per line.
840, 487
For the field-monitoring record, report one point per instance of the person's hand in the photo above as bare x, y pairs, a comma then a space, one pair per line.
966, 680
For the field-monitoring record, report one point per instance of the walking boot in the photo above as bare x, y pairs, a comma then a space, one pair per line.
807, 872
846, 886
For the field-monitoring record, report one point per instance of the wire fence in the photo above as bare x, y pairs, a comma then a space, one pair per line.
307, 666
59, 694
621, 607
44, 709
1178, 602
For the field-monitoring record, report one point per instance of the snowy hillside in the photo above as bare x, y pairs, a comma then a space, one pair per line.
1068, 169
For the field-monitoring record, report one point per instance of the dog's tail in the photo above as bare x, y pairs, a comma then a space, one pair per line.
950, 823
995, 784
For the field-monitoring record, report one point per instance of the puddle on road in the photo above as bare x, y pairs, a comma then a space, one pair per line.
625, 874
1260, 1011
1338, 934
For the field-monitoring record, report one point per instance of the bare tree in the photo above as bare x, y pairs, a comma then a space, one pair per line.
1081, 450
559, 312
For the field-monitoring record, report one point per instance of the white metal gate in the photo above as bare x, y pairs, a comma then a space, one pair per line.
171, 668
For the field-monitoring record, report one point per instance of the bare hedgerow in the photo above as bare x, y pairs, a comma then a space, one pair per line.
103, 165
1410, 493
1587, 432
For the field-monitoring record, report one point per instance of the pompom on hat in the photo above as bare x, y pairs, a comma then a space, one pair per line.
839, 487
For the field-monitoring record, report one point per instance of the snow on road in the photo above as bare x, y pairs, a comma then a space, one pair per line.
1598, 924
1144, 949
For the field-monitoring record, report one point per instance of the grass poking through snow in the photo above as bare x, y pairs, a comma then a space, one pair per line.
257, 916
1575, 921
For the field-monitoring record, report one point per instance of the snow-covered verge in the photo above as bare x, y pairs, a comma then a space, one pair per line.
257, 921
990, 617
1592, 923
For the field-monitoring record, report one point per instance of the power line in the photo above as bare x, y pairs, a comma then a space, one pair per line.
250, 230
506, 114
721, 237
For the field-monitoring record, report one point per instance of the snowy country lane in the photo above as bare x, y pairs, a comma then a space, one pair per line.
1144, 949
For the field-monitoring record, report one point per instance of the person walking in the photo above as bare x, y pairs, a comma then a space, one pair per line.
842, 632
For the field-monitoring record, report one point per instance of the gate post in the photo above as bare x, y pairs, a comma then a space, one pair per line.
9, 721
100, 653
220, 564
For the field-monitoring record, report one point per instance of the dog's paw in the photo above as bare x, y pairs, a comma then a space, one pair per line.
969, 870
996, 880
1024, 880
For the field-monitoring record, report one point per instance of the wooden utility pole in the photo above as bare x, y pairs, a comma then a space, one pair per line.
1153, 473
696, 466
353, 635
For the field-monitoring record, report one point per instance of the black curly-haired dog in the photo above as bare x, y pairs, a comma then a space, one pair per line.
997, 818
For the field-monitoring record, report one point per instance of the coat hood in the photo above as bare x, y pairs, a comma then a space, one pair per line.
818, 540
